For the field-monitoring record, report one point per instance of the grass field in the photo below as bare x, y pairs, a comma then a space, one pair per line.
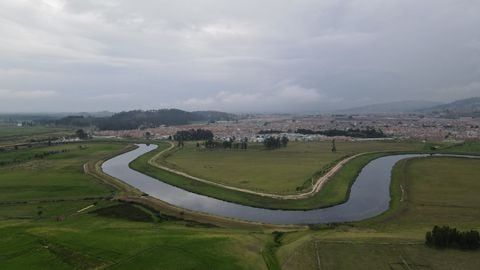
334, 192
53, 216
54, 176
89, 241
282, 171
10, 134
439, 191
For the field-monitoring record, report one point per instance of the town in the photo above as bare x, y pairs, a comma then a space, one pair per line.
394, 126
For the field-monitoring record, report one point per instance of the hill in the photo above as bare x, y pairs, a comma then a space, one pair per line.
469, 107
146, 119
216, 115
407, 106
140, 119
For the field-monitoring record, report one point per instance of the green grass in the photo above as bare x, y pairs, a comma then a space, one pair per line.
107, 233
116, 235
439, 191
472, 147
282, 171
336, 191
7, 130
55, 176
86, 241
377, 255
269, 252
10, 134
125, 211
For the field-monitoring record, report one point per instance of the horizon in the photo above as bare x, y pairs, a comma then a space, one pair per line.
237, 112
239, 57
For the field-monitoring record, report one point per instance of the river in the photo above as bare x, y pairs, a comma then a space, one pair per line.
369, 195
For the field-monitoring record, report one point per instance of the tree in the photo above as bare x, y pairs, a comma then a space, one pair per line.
244, 143
284, 141
334, 147
445, 237
227, 144
39, 211
81, 134
275, 142
193, 135
180, 143
148, 135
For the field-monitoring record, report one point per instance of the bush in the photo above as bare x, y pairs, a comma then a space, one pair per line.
446, 237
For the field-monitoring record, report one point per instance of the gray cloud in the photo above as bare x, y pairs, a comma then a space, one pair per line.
235, 55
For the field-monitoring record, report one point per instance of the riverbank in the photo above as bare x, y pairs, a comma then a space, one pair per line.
437, 191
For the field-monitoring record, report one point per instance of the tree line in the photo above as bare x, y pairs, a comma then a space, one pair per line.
193, 135
355, 133
275, 142
446, 237
138, 119
230, 143
269, 131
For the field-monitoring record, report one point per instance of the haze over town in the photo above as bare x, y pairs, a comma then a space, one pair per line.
248, 56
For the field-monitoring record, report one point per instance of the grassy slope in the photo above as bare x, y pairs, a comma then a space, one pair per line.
279, 171
89, 241
57, 186
439, 191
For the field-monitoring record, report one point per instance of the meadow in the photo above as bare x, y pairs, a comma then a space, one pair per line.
53, 215
286, 170
336, 190
13, 134
437, 191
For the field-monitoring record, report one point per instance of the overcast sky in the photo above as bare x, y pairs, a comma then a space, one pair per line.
237, 56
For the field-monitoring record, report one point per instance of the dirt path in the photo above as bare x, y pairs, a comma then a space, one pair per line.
319, 184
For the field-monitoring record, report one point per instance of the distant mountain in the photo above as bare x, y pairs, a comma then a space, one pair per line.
141, 119
95, 114
147, 119
216, 115
469, 107
397, 107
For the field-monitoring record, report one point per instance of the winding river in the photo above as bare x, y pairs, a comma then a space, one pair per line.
369, 196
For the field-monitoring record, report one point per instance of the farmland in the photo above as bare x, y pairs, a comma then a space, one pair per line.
334, 192
51, 216
54, 215
439, 191
10, 133
280, 171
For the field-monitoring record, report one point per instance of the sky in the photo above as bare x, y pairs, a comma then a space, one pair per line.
235, 56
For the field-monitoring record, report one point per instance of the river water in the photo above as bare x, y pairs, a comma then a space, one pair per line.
369, 196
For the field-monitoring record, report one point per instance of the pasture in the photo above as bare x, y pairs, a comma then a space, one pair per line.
334, 192
437, 191
54, 216
10, 134
286, 170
